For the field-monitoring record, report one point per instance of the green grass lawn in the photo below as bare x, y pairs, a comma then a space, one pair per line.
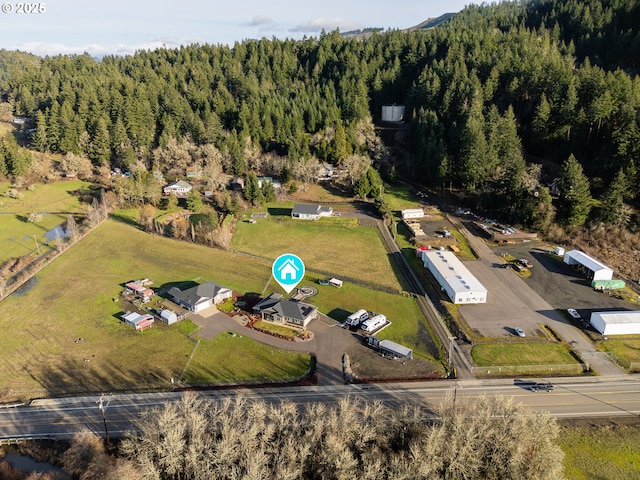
604, 453
228, 359
400, 197
276, 329
17, 234
74, 298
520, 353
335, 246
626, 349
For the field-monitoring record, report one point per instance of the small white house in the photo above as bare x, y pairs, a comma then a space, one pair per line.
616, 323
168, 316
178, 188
335, 282
304, 211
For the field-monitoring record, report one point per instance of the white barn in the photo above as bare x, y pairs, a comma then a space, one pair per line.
616, 323
455, 279
587, 265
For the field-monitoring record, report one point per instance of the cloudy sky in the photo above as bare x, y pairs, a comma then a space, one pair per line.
121, 26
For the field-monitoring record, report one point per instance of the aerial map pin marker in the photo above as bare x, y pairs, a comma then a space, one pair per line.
288, 271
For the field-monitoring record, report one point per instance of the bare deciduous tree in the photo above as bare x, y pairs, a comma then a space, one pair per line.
480, 439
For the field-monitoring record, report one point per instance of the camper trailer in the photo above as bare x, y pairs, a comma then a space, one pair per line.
357, 318
373, 323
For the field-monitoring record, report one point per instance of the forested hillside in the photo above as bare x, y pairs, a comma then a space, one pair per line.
550, 80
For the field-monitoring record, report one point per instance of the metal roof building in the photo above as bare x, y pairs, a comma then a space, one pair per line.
395, 349
587, 265
616, 323
454, 278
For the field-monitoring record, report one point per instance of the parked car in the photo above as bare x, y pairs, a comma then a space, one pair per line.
545, 387
574, 313
517, 267
519, 332
525, 263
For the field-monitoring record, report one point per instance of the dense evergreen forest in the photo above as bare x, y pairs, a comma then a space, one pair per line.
491, 96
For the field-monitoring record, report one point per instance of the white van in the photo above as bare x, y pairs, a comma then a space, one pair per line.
357, 318
373, 323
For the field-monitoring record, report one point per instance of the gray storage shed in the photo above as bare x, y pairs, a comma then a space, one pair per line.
393, 349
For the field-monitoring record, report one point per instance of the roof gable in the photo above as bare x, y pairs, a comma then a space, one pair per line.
275, 304
198, 294
305, 209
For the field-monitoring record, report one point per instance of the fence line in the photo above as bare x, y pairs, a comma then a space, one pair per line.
17, 280
509, 370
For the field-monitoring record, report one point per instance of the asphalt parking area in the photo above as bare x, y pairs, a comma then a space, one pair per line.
559, 284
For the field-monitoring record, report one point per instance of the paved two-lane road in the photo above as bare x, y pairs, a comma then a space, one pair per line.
571, 398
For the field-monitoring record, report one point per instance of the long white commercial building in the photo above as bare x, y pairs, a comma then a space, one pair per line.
616, 323
454, 278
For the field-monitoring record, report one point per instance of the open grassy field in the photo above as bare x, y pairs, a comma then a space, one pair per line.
17, 234
400, 197
228, 359
521, 353
73, 298
609, 452
335, 246
626, 349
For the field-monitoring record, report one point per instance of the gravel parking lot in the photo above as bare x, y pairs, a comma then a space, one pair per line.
559, 284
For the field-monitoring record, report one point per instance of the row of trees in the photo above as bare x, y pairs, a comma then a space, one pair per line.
196, 438
490, 83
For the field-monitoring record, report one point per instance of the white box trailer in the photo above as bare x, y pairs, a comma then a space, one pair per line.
373, 323
356, 318
408, 213
616, 323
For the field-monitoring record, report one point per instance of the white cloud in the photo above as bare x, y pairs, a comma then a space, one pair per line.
265, 24
327, 23
261, 21
95, 50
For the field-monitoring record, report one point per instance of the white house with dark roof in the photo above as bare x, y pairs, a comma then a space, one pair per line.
274, 308
178, 188
305, 211
200, 297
